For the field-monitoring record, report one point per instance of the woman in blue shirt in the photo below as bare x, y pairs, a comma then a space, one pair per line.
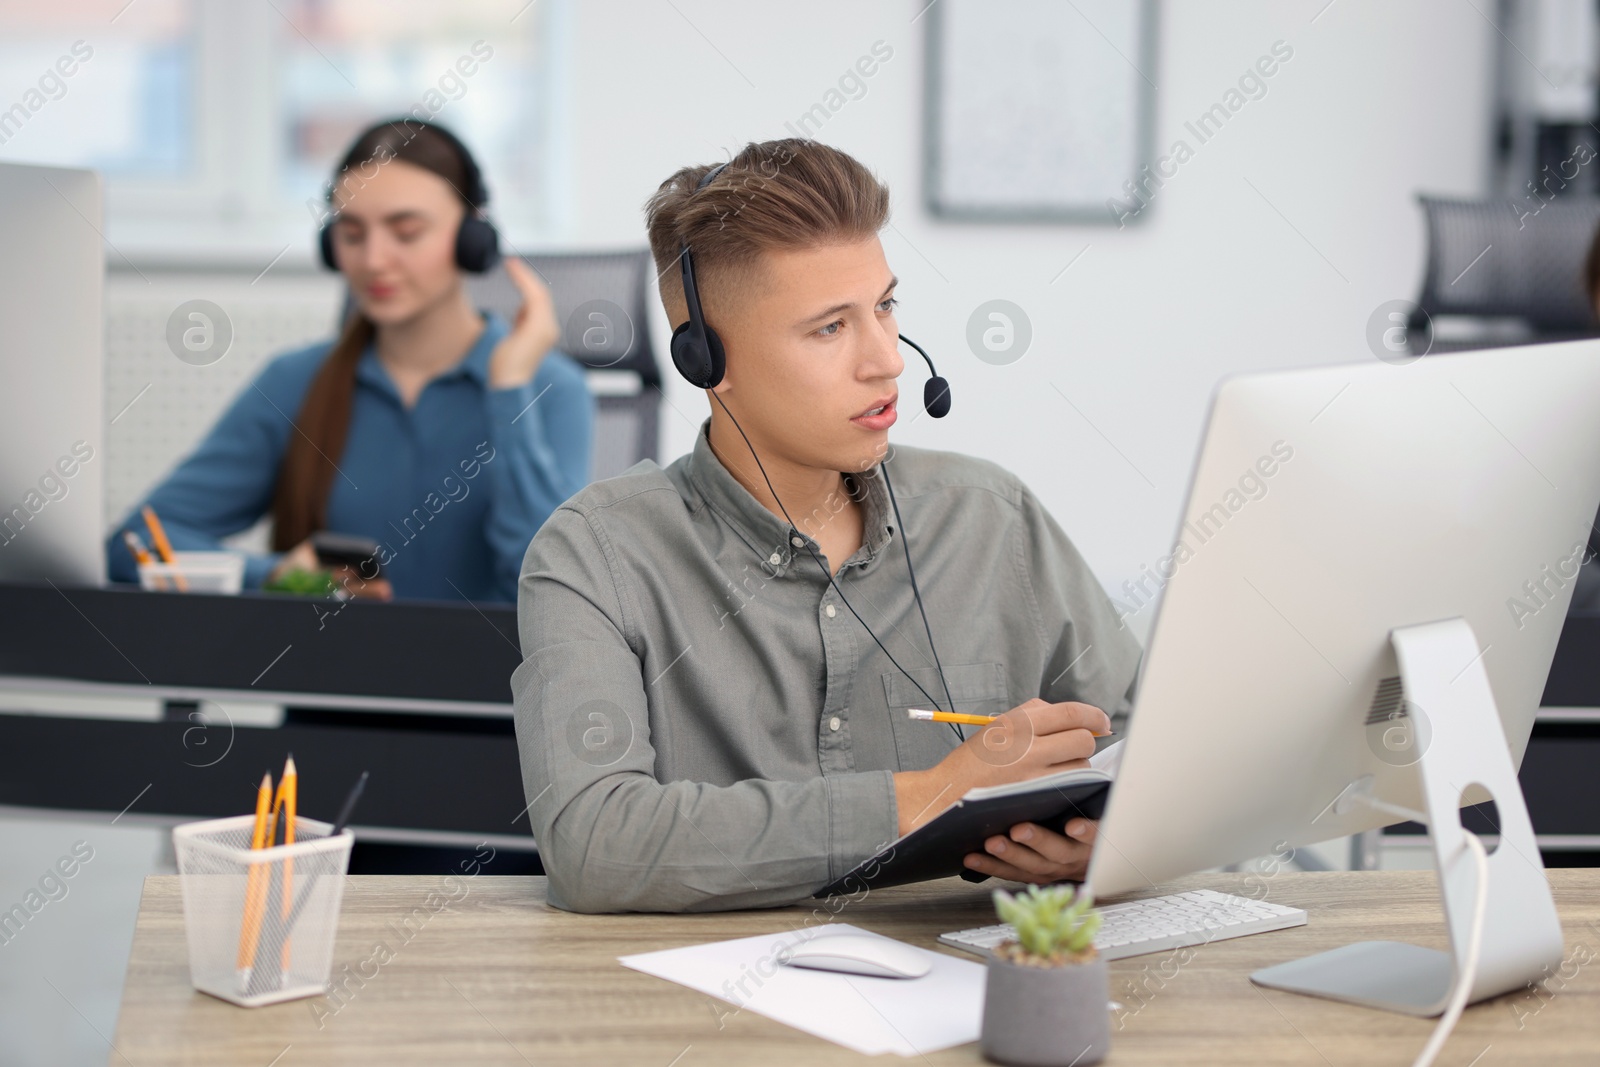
444, 433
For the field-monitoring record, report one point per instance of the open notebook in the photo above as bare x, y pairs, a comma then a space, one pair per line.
935, 849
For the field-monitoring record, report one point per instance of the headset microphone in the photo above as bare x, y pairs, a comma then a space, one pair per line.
935, 391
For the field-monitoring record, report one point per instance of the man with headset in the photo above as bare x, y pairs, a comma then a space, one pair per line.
720, 655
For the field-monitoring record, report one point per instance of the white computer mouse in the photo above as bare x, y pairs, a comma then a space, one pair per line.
876, 957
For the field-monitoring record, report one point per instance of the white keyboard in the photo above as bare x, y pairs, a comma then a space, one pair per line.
1158, 923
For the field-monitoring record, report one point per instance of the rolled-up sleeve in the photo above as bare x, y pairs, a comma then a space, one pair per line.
612, 836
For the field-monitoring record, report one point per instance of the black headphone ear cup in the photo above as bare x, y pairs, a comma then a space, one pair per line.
325, 246
718, 360
477, 244
692, 361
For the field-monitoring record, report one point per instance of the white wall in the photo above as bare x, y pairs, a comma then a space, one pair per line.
1378, 102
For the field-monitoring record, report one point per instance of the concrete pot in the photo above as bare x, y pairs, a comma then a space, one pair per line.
1046, 1016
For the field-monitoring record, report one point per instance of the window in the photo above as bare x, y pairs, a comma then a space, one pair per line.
170, 98
83, 90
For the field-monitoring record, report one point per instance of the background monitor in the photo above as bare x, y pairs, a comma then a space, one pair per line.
52, 421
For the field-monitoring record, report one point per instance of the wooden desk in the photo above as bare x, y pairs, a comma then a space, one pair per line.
501, 978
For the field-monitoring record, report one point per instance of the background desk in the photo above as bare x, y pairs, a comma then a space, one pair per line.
420, 691
502, 978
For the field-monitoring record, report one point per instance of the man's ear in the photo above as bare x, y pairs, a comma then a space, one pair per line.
677, 316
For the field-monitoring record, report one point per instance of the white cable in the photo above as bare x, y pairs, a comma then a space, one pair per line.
1467, 972
1467, 966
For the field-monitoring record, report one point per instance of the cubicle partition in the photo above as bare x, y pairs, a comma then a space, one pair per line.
160, 707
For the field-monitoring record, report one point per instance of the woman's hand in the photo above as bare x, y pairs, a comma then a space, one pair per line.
303, 557
1034, 854
348, 579
516, 358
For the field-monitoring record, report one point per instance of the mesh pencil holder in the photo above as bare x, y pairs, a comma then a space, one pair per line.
260, 922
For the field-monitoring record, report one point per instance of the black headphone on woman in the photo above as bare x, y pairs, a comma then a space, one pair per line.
697, 350
477, 242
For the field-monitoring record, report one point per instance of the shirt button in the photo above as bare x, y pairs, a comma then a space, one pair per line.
774, 559
833, 723
829, 611
796, 542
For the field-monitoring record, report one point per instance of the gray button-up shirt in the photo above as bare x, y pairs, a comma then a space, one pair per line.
704, 724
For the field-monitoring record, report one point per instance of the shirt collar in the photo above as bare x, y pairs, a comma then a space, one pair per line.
474, 365
769, 536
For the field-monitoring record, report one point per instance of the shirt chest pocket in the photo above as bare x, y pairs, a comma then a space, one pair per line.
976, 688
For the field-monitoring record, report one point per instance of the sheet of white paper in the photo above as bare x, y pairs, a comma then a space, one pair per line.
1109, 758
908, 1016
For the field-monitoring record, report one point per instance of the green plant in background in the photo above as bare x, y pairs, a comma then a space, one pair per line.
303, 582
1055, 925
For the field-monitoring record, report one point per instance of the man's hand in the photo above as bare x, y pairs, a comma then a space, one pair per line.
1033, 853
1030, 740
516, 358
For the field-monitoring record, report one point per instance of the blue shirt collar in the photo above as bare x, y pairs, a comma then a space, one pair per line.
474, 365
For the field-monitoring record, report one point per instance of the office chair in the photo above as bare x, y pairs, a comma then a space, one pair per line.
1507, 259
616, 349
1532, 272
627, 422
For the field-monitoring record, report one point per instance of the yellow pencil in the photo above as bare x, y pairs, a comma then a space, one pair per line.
289, 790
140, 555
958, 717
158, 537
255, 886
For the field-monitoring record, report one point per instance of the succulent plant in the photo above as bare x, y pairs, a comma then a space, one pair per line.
1055, 924
302, 582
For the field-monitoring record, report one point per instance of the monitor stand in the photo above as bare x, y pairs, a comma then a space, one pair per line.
1521, 937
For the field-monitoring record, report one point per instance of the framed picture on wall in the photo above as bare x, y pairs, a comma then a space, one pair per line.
1037, 110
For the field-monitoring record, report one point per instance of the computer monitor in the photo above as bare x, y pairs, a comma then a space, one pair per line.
52, 421
1332, 512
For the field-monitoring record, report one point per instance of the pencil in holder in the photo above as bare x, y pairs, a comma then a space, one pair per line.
260, 923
